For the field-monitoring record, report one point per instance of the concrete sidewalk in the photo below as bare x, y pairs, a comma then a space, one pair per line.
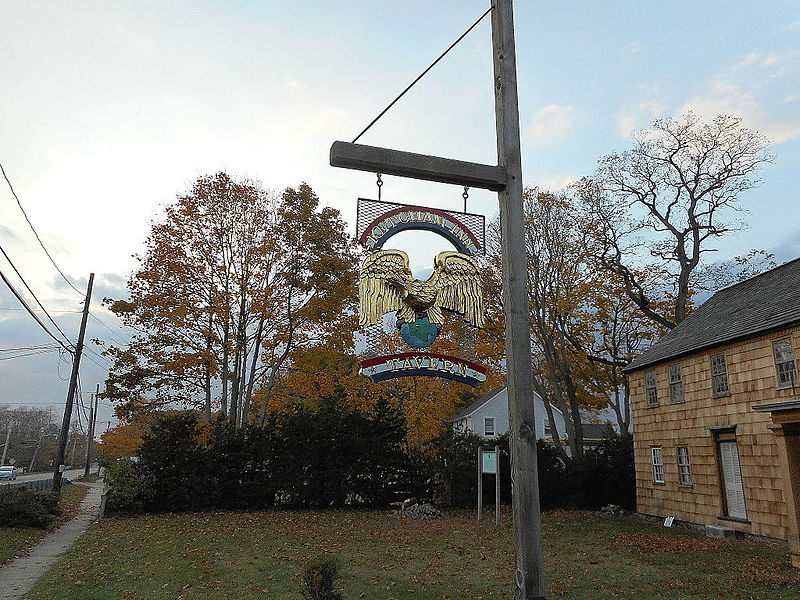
18, 576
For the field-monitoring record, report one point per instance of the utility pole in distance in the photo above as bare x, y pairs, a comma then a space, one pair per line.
90, 434
5, 446
73, 384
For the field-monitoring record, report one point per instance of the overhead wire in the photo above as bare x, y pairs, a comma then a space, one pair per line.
31, 312
49, 256
33, 229
30, 291
421, 75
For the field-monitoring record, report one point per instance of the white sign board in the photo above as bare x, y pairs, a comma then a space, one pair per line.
489, 462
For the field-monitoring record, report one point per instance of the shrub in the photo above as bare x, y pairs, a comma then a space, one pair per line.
21, 507
319, 578
131, 487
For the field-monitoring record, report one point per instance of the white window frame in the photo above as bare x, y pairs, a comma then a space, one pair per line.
651, 388
675, 385
486, 429
657, 460
785, 368
719, 376
684, 469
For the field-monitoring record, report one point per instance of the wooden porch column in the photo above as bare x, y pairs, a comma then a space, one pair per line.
788, 437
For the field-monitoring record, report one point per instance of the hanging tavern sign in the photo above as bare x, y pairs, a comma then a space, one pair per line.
386, 285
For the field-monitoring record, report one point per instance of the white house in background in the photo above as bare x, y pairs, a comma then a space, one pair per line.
488, 416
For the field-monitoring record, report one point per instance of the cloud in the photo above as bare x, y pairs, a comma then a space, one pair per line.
639, 116
551, 124
556, 182
728, 98
633, 48
794, 25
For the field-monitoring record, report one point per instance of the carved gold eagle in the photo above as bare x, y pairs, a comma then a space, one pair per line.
386, 284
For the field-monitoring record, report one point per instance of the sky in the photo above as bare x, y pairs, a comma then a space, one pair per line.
110, 109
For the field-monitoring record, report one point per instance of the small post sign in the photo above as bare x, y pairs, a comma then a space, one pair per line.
488, 464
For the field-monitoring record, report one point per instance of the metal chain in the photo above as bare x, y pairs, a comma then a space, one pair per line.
465, 195
379, 183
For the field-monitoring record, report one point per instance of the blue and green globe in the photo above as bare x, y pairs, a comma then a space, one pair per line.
420, 333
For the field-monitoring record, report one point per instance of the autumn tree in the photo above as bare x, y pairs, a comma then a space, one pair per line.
560, 284
234, 280
658, 207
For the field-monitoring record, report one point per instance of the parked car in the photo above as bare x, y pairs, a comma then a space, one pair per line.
8, 472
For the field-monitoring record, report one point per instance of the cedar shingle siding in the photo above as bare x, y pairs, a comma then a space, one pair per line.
724, 351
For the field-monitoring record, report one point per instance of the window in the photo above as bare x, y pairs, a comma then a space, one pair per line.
684, 473
784, 363
675, 384
658, 465
719, 376
650, 387
488, 425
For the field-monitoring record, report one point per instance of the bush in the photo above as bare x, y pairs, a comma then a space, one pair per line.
319, 578
130, 487
21, 507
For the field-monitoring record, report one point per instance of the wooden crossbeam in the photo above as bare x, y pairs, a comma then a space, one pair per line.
417, 166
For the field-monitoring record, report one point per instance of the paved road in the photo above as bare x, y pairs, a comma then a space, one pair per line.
71, 474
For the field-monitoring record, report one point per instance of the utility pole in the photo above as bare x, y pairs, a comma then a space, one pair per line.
5, 447
529, 572
73, 384
90, 435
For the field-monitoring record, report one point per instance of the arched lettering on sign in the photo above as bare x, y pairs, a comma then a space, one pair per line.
419, 218
426, 364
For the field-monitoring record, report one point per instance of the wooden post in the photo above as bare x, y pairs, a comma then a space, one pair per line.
529, 574
73, 384
497, 485
480, 482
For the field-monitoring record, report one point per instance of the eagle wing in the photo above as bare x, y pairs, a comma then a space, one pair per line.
457, 279
377, 293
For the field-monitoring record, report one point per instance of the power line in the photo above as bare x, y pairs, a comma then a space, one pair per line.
120, 340
24, 354
25, 283
33, 314
421, 75
35, 233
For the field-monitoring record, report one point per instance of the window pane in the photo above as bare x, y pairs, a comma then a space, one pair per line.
650, 387
784, 362
658, 465
719, 375
683, 466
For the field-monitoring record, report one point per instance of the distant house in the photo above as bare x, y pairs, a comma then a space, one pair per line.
717, 412
488, 418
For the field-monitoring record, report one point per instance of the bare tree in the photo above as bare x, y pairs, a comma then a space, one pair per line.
658, 207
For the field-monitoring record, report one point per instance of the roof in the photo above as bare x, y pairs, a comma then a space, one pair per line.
764, 303
477, 404
485, 399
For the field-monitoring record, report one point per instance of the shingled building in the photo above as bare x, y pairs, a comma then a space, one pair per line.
717, 412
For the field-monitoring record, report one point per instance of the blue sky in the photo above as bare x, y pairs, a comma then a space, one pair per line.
109, 109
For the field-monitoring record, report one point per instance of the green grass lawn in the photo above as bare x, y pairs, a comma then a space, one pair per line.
248, 555
16, 541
